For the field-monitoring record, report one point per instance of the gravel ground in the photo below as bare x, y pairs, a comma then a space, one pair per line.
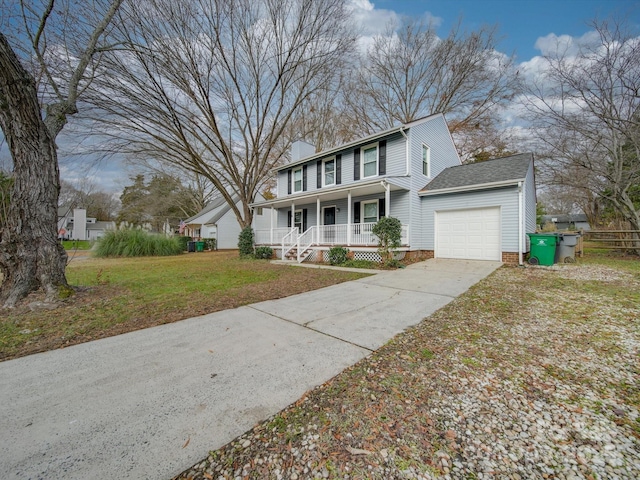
533, 373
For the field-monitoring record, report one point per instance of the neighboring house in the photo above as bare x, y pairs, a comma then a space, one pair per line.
218, 221
572, 221
411, 172
73, 224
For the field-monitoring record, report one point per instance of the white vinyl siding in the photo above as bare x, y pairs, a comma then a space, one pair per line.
505, 198
442, 154
529, 199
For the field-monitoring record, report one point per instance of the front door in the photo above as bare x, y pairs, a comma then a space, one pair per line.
329, 219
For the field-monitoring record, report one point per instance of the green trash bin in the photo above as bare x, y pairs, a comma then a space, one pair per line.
199, 246
543, 248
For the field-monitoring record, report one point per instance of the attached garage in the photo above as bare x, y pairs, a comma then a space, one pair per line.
472, 234
480, 211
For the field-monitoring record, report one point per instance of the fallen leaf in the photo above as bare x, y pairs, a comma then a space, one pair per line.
186, 443
357, 451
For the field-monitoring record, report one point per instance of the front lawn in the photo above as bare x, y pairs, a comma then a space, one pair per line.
122, 295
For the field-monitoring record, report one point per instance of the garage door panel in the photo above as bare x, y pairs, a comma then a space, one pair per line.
472, 234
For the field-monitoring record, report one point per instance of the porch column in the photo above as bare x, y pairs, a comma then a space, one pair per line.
271, 226
318, 220
293, 215
387, 200
349, 218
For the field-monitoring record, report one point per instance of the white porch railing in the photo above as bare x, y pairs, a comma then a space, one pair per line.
304, 242
331, 234
271, 237
357, 234
289, 241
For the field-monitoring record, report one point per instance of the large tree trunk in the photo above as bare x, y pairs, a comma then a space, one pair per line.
30, 255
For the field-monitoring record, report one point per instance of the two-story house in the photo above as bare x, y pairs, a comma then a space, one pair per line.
411, 172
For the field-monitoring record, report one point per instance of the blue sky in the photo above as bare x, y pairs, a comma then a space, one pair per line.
521, 22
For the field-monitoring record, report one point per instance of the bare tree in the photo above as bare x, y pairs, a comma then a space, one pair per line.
211, 86
586, 108
410, 72
98, 203
60, 49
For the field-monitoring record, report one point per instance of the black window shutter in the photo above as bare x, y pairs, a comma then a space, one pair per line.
304, 219
304, 178
381, 207
289, 182
319, 173
338, 169
356, 164
382, 157
356, 212
289, 218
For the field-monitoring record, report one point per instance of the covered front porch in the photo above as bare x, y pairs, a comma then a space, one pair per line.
322, 219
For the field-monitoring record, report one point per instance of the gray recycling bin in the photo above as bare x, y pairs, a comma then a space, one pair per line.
567, 247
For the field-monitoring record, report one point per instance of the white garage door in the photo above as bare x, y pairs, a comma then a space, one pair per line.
472, 234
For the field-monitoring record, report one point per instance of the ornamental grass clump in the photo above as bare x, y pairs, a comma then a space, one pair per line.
136, 243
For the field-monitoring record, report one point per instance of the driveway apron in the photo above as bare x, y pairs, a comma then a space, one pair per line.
151, 403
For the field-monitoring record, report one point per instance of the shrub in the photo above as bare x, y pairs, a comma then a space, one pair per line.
245, 242
352, 263
210, 243
264, 253
338, 255
389, 233
183, 241
136, 243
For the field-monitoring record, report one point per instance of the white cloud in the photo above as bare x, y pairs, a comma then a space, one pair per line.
552, 43
374, 21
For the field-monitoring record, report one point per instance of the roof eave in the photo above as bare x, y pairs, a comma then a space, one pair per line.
469, 188
325, 192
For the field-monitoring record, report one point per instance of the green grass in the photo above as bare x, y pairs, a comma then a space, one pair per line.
76, 244
124, 294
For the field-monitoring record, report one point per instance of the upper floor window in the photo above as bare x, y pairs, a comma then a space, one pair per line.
426, 160
329, 174
297, 180
369, 161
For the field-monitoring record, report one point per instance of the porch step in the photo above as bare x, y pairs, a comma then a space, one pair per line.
293, 254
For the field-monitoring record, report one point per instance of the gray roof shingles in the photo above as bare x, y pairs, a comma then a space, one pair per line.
503, 169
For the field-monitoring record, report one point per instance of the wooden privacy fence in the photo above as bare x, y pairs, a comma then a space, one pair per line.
613, 239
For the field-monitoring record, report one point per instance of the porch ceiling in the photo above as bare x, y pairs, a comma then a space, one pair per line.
331, 194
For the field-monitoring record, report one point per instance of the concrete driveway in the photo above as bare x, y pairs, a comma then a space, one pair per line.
151, 403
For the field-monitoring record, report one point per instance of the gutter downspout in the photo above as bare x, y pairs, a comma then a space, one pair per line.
520, 232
